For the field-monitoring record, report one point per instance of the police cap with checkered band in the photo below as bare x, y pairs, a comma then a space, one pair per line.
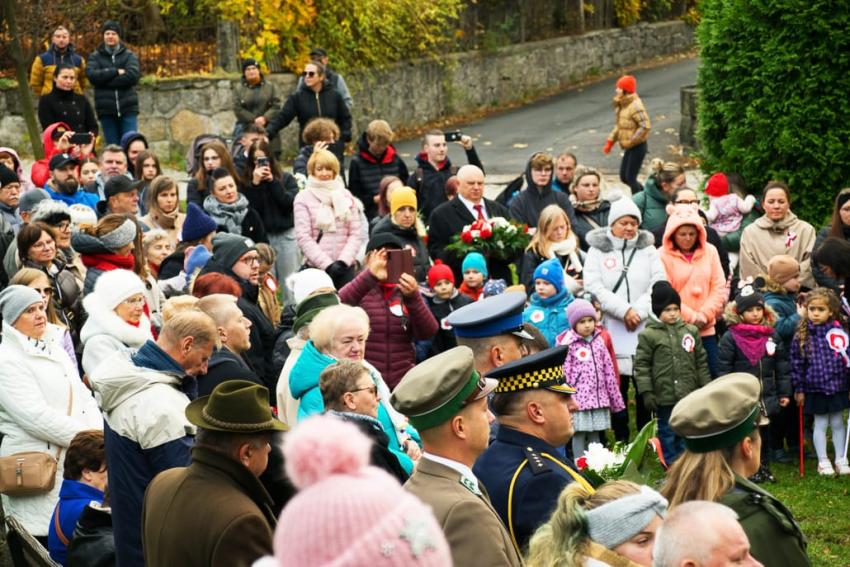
542, 370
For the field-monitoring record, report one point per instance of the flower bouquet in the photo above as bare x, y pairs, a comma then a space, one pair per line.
498, 238
638, 461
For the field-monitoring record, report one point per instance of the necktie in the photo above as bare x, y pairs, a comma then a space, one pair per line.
480, 210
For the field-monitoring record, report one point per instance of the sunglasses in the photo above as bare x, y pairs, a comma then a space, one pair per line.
44, 291
309, 74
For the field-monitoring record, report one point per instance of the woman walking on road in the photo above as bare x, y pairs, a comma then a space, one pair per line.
631, 130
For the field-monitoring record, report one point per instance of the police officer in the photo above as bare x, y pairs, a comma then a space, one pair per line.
525, 468
492, 328
720, 425
445, 398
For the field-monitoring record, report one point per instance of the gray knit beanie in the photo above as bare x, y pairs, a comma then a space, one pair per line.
15, 299
228, 248
620, 520
121, 236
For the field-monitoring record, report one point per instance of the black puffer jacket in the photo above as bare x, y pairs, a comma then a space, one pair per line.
773, 370
366, 171
273, 201
421, 261
114, 94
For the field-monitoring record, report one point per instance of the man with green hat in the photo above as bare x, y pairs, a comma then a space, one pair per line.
220, 488
719, 423
446, 400
525, 468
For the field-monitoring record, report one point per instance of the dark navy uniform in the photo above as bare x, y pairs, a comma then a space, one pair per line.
524, 474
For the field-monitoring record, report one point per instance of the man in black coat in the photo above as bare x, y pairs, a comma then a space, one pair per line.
375, 158
114, 71
448, 219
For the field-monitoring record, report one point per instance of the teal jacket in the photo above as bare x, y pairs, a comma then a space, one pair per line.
652, 204
670, 361
550, 314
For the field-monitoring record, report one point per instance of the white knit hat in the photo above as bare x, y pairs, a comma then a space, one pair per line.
307, 281
114, 286
624, 207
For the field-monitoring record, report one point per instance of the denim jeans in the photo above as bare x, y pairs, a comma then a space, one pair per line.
710, 344
114, 127
671, 444
288, 259
630, 167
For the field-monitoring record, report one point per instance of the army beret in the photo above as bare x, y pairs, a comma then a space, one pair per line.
719, 414
489, 317
435, 390
541, 370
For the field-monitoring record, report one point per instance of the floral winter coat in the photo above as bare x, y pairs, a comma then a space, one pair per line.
589, 369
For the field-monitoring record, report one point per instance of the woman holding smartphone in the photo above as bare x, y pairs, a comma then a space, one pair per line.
271, 192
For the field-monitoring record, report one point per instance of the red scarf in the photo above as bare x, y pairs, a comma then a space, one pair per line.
473, 292
108, 262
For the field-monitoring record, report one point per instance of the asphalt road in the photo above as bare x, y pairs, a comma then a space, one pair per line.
579, 119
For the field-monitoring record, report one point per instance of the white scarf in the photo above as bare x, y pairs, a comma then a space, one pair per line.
335, 203
567, 247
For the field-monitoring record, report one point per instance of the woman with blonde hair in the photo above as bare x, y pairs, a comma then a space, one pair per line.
162, 203
554, 238
614, 526
327, 220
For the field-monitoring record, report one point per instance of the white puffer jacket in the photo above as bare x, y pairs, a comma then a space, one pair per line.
34, 389
602, 269
104, 333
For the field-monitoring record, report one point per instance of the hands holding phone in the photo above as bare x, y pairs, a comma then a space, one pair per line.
263, 171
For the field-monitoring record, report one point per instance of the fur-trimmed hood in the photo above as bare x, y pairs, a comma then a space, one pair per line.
103, 321
602, 239
730, 315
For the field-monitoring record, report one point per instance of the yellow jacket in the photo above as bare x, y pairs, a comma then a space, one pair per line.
631, 124
41, 75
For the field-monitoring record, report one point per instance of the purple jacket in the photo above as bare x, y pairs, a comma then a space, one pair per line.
588, 368
818, 368
390, 344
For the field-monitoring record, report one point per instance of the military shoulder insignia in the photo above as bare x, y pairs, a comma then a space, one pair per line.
470, 485
535, 461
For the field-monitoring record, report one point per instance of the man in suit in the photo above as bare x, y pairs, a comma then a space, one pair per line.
526, 465
449, 218
446, 400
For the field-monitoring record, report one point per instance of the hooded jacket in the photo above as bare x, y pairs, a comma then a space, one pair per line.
43, 66
549, 314
670, 361
146, 432
429, 182
652, 202
526, 205
764, 239
114, 94
26, 182
772, 369
590, 370
34, 397
104, 333
698, 279
366, 171
40, 172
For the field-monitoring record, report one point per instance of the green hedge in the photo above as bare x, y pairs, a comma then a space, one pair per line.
774, 96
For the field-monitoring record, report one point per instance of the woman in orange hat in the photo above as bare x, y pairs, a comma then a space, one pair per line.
631, 130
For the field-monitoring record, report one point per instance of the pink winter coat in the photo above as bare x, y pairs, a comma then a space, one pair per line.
342, 244
699, 280
588, 368
389, 347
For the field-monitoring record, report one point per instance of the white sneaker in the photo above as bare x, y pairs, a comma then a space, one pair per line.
825, 468
842, 466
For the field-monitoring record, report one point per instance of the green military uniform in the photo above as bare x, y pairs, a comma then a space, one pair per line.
719, 416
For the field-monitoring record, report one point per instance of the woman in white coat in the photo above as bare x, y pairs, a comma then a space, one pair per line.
116, 318
620, 268
43, 402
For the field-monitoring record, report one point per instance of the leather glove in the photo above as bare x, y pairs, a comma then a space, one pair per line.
650, 402
608, 145
337, 269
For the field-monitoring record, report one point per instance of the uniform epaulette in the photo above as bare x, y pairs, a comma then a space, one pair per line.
535, 461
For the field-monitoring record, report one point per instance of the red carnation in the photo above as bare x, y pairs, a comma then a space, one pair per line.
466, 236
581, 463
486, 232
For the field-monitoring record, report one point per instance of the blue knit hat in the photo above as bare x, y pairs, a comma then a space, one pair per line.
475, 261
552, 272
197, 225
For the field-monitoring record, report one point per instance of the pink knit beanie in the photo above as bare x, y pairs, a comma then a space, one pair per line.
347, 513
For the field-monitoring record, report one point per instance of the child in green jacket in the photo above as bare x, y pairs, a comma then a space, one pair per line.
670, 363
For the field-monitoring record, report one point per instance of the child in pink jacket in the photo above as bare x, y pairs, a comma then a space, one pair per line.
588, 368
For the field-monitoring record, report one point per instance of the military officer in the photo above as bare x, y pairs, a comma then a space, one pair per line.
720, 425
445, 398
525, 468
492, 328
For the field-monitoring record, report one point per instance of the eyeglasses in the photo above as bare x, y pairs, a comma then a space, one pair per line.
64, 226
250, 260
43, 245
134, 301
45, 292
309, 74
371, 389
684, 202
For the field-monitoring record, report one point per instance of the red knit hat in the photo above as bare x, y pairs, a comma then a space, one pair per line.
628, 83
440, 271
717, 185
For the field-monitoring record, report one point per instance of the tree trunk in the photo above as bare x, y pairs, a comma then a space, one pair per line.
27, 107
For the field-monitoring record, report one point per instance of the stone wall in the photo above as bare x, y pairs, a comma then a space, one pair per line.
407, 94
688, 125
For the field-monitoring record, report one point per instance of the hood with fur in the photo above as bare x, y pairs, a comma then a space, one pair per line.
730, 315
602, 239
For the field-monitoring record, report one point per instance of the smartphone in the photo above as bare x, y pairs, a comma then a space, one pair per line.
80, 138
262, 161
454, 136
399, 262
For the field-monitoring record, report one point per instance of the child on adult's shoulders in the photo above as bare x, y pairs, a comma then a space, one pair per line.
670, 363
547, 307
475, 274
443, 298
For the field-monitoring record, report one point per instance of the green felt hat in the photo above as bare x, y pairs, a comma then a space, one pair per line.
235, 406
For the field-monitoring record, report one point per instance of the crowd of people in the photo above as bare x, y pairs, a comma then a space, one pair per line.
172, 362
